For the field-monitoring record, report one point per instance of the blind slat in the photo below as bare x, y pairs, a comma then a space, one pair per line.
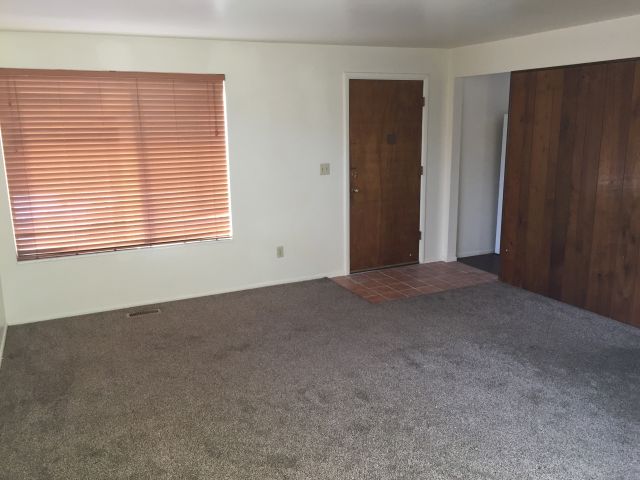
104, 231
105, 236
100, 161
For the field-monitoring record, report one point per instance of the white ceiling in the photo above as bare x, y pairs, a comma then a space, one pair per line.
411, 23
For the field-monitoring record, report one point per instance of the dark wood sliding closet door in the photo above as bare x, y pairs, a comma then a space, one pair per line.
571, 218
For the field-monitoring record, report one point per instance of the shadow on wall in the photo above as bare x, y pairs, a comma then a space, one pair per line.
485, 100
3, 324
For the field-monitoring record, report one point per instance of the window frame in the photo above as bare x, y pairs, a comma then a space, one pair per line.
126, 248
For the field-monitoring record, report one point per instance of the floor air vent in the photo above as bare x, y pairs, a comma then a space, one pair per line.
139, 313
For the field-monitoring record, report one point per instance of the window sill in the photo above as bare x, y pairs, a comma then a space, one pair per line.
123, 250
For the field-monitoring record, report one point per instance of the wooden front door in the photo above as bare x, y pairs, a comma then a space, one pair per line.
385, 143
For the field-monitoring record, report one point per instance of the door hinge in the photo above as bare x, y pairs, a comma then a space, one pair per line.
424, 101
419, 235
421, 170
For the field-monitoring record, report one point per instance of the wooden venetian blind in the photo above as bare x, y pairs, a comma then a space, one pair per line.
102, 161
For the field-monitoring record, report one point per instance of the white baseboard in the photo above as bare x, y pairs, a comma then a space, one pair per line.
3, 338
153, 301
433, 260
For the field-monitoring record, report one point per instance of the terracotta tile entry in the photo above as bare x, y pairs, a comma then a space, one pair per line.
403, 282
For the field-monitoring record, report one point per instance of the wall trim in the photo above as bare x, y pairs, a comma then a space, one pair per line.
423, 157
120, 306
433, 260
3, 339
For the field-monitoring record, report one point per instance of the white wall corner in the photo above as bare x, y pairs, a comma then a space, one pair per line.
456, 136
451, 159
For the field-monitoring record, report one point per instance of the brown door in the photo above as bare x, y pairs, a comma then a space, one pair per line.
385, 140
571, 220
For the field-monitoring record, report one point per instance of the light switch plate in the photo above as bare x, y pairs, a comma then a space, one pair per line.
325, 169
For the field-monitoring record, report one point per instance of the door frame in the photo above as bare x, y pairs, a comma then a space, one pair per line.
423, 157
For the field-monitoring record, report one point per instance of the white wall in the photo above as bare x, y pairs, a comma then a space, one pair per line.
613, 39
594, 42
285, 117
485, 100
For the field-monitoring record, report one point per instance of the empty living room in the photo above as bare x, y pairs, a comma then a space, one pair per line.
320, 240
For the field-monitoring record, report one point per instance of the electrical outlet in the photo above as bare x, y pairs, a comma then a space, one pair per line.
280, 251
325, 169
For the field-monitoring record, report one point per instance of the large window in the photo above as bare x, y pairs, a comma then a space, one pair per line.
100, 161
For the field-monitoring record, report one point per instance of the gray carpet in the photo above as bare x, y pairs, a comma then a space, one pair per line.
308, 381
